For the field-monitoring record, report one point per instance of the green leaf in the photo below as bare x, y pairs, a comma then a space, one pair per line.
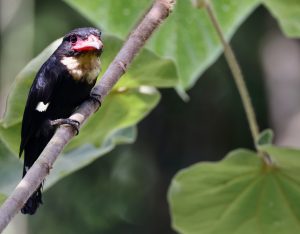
287, 13
129, 102
239, 195
265, 137
187, 37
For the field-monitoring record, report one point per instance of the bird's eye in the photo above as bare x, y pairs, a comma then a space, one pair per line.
73, 39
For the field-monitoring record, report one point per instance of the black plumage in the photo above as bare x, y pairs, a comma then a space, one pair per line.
63, 82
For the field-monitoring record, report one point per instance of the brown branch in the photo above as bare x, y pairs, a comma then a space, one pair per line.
34, 177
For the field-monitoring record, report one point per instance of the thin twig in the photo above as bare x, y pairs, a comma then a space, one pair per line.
237, 75
34, 177
239, 80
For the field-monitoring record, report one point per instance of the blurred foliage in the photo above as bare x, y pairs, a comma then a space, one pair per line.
110, 196
125, 193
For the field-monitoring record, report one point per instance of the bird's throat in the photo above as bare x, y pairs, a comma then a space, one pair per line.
85, 68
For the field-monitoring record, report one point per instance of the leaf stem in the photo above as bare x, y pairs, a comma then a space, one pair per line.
237, 75
239, 81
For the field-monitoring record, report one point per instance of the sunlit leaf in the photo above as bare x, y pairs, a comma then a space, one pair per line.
187, 37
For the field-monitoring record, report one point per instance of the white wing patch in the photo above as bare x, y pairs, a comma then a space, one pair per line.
42, 107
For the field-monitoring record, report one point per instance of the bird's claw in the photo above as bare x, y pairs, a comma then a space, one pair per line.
96, 98
71, 122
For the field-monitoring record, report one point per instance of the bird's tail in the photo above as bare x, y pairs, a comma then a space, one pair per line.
33, 202
32, 150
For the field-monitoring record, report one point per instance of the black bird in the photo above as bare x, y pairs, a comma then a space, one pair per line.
63, 82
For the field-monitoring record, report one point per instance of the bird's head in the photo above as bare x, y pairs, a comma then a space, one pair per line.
79, 52
81, 41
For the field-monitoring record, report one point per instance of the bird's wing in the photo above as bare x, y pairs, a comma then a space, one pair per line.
39, 98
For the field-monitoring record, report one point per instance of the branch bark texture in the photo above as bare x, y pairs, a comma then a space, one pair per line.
41, 168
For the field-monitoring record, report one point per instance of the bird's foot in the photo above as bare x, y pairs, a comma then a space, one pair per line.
71, 122
96, 98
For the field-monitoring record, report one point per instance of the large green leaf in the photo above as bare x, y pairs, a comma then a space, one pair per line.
132, 98
187, 37
287, 12
239, 195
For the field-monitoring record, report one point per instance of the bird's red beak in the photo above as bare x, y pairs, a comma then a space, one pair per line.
91, 43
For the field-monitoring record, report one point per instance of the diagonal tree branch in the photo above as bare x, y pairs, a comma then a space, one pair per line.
41, 168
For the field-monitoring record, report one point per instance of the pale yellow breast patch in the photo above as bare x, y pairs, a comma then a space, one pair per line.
83, 68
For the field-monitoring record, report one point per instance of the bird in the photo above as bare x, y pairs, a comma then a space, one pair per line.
62, 83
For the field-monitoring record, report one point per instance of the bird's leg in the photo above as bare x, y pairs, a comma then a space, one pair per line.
73, 123
96, 98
